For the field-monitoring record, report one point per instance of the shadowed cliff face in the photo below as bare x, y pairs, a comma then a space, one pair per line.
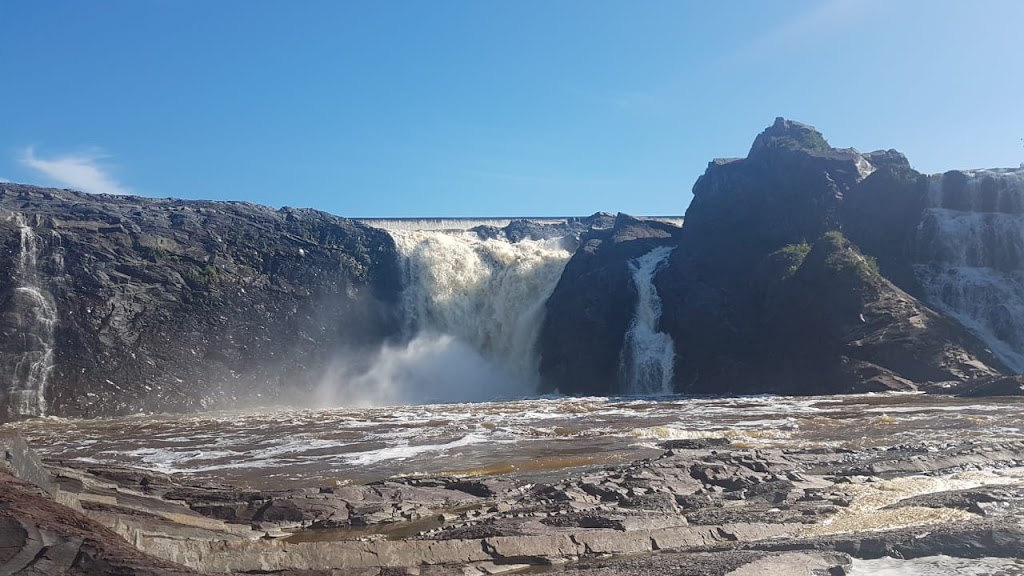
764, 293
179, 305
591, 308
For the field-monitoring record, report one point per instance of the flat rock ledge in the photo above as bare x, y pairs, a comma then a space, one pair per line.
702, 507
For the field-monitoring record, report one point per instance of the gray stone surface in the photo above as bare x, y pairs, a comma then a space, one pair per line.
177, 305
711, 510
17, 458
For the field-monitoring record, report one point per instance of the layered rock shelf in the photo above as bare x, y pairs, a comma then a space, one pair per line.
702, 507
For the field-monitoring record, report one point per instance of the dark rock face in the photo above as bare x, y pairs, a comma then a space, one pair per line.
180, 305
786, 191
880, 216
592, 306
764, 293
981, 387
837, 325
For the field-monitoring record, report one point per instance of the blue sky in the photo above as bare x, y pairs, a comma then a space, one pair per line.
487, 108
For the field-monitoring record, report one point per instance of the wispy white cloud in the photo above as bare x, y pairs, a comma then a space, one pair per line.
82, 171
3, 180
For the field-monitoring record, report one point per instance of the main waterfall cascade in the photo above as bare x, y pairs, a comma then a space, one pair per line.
970, 256
648, 356
473, 309
29, 321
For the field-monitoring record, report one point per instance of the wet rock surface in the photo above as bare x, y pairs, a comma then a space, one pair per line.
178, 305
592, 306
793, 274
696, 509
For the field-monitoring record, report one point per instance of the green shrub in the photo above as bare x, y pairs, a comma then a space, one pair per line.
794, 255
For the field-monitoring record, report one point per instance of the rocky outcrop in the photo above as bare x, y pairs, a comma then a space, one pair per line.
794, 273
572, 229
880, 216
706, 507
39, 536
835, 324
592, 306
179, 305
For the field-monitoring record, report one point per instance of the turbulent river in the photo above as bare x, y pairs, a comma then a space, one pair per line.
532, 438
538, 439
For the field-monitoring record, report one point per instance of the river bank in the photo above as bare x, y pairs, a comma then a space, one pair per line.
708, 506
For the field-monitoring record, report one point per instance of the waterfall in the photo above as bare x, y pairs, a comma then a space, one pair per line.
969, 255
648, 356
474, 309
28, 322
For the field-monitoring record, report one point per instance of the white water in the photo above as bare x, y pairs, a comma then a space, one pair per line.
970, 257
27, 363
289, 448
474, 309
647, 355
938, 566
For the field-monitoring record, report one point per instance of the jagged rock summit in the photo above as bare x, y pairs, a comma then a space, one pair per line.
793, 273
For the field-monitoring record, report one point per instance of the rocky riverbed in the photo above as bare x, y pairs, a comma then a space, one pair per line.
707, 506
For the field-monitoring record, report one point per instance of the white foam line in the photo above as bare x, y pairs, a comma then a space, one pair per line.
404, 451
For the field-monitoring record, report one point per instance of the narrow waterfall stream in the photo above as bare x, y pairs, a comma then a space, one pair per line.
648, 355
29, 319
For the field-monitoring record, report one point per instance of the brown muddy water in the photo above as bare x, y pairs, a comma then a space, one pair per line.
535, 439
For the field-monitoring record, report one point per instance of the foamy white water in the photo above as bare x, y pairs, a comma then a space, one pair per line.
306, 447
27, 363
648, 356
970, 256
938, 566
474, 309
489, 294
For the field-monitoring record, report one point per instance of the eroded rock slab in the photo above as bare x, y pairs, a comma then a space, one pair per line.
731, 510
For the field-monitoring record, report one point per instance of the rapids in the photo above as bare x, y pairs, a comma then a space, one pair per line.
532, 438
938, 566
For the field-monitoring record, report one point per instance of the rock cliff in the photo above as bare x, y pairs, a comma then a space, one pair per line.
592, 306
124, 304
794, 273
801, 268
